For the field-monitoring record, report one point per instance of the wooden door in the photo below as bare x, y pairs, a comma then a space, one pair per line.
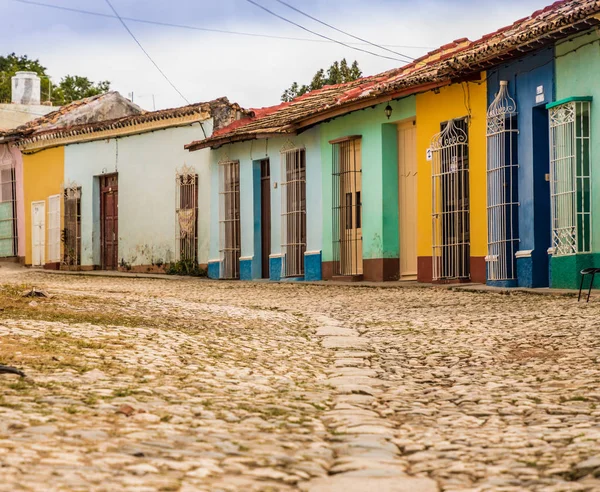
351, 260
407, 199
38, 233
109, 216
265, 211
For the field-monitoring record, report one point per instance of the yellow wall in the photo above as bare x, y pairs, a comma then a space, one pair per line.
43, 175
432, 109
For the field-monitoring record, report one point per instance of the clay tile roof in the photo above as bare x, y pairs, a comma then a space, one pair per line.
439, 67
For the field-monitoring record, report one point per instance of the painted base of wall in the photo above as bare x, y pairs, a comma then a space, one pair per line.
246, 268
55, 265
478, 270
312, 266
505, 284
13, 259
214, 269
275, 265
532, 271
374, 270
565, 270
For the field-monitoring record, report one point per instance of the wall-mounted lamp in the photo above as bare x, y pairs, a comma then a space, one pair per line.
388, 111
436, 90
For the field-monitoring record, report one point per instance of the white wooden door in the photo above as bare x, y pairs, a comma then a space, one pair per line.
407, 199
54, 228
38, 233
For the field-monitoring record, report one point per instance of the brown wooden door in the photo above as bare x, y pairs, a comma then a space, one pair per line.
109, 216
265, 211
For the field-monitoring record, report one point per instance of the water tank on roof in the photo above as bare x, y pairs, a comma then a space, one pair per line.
26, 88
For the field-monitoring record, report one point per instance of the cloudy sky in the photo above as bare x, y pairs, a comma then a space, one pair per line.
251, 70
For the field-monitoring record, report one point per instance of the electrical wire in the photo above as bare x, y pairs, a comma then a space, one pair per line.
146, 53
196, 28
343, 32
318, 34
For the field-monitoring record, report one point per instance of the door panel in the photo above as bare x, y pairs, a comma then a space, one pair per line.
265, 220
38, 237
407, 199
110, 222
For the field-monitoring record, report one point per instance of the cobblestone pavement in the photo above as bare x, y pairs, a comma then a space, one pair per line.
143, 385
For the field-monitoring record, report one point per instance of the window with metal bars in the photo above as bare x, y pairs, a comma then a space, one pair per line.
229, 219
71, 233
293, 211
450, 201
8, 204
186, 183
502, 186
570, 177
347, 206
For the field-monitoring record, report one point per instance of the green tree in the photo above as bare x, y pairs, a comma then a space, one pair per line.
70, 88
337, 73
74, 87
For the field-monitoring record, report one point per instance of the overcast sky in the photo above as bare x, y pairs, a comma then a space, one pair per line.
253, 71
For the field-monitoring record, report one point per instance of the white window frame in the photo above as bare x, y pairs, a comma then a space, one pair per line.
54, 228
229, 220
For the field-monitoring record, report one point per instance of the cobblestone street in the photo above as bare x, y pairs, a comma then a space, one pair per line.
194, 385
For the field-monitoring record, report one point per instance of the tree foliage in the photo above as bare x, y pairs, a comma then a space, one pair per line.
70, 88
337, 73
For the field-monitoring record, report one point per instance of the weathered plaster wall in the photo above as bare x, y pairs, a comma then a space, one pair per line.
524, 76
249, 154
147, 165
455, 101
20, 203
43, 175
577, 70
379, 197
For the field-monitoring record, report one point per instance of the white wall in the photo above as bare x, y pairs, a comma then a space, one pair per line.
147, 166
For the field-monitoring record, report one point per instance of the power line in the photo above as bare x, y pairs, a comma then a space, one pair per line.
343, 32
196, 28
146, 53
320, 35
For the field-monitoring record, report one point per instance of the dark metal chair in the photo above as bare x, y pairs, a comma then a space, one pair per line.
584, 272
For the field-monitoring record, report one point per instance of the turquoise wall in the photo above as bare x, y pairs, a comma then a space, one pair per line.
379, 176
248, 154
577, 68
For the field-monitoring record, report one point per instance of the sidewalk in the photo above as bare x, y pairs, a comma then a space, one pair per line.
471, 287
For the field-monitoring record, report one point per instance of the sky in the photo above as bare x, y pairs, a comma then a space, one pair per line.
250, 70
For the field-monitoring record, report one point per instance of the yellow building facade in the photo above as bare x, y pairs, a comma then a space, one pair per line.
451, 160
43, 176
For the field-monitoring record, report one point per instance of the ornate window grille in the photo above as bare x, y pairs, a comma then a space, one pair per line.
570, 173
54, 229
502, 186
229, 219
8, 203
347, 207
293, 211
450, 201
186, 210
71, 233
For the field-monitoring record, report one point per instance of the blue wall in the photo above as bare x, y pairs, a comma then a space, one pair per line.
524, 76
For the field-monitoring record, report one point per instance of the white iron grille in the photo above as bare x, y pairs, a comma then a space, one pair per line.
54, 229
450, 202
8, 204
229, 219
71, 234
570, 185
293, 211
502, 186
186, 211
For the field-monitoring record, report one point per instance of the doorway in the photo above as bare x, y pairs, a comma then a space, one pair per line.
109, 217
229, 221
265, 212
407, 199
38, 233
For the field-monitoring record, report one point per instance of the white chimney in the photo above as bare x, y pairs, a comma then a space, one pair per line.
26, 88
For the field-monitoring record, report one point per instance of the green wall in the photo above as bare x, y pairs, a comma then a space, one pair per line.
379, 175
577, 68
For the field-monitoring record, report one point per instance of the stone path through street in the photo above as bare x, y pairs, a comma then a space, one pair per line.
148, 385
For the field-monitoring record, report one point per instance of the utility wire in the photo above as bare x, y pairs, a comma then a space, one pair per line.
146, 53
320, 35
196, 28
343, 32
